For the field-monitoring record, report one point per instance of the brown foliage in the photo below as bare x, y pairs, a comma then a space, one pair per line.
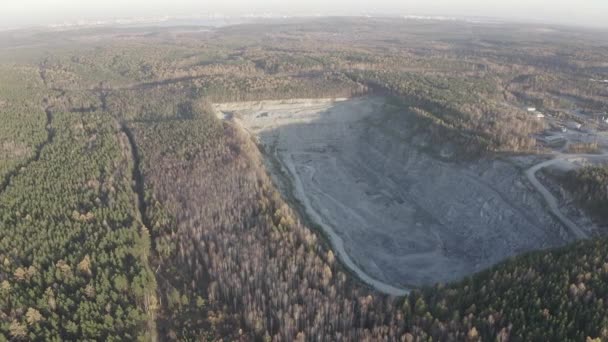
246, 247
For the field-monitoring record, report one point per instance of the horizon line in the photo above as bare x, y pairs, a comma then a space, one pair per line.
150, 21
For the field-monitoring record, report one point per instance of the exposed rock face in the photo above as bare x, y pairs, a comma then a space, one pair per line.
401, 216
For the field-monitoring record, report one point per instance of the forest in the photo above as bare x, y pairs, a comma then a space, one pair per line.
23, 118
129, 211
589, 187
74, 254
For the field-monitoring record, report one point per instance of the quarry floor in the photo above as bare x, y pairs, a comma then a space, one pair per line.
397, 217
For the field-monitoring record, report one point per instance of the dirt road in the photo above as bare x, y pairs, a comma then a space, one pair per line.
548, 196
336, 241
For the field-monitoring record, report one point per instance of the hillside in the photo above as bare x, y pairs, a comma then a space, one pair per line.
589, 186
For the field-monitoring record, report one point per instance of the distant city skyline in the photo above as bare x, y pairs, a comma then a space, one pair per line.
26, 13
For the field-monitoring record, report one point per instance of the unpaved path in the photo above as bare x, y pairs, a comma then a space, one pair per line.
336, 240
551, 201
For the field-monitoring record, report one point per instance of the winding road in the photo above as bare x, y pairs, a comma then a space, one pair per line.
551, 201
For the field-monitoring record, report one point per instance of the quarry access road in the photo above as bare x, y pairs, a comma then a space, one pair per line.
550, 199
336, 240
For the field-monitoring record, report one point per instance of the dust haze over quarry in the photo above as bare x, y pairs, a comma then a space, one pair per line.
404, 217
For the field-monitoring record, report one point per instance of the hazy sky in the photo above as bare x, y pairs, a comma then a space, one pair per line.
43, 12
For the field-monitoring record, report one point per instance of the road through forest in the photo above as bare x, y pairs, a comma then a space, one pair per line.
550, 199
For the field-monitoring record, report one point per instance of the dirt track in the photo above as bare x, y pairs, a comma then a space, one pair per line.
550, 199
395, 216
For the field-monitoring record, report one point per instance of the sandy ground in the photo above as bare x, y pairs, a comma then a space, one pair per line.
400, 217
